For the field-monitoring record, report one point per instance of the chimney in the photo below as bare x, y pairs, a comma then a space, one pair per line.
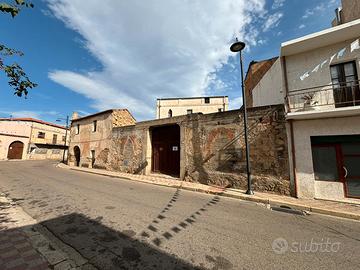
338, 16
75, 115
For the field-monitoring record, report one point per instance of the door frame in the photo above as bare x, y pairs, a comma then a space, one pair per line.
340, 164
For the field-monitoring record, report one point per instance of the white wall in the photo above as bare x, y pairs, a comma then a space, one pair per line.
307, 187
269, 90
297, 65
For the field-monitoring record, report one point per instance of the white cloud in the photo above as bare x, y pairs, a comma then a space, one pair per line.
151, 49
301, 26
278, 4
272, 21
319, 9
235, 103
31, 114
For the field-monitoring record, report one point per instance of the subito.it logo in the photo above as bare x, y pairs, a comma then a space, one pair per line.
280, 245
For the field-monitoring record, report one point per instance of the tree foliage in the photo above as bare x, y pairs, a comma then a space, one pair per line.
18, 79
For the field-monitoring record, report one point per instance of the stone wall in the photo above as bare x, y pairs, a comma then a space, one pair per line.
212, 148
215, 150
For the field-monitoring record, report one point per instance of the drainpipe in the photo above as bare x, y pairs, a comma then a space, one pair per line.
293, 154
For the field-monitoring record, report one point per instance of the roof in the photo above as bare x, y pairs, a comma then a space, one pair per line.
29, 119
191, 97
100, 113
323, 38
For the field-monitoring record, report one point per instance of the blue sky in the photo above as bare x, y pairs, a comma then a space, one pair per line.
93, 57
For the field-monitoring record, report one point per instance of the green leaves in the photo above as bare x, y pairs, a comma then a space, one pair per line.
18, 79
14, 8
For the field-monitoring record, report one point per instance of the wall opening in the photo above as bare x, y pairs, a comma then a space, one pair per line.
165, 142
15, 150
77, 155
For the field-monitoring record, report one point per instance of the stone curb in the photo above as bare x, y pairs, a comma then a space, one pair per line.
225, 193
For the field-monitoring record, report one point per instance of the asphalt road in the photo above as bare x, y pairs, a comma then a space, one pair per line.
120, 224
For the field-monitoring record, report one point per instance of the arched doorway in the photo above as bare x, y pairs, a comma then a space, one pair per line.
15, 150
77, 155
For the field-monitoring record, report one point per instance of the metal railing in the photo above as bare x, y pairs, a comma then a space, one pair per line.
326, 97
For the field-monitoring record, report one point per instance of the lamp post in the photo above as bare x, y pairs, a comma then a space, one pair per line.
66, 129
237, 47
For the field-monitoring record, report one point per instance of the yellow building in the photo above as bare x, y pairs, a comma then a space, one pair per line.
169, 107
29, 138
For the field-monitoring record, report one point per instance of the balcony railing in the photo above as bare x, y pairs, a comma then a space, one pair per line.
325, 97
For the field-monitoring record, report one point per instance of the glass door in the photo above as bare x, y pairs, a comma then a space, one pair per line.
351, 166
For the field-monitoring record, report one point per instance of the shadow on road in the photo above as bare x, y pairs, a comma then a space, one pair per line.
106, 248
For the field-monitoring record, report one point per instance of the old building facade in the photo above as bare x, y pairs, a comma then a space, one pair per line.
170, 107
91, 136
205, 148
29, 138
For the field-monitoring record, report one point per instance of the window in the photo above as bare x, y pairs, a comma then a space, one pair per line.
92, 153
219, 110
190, 111
207, 100
63, 138
54, 139
41, 135
345, 84
94, 126
170, 113
325, 162
77, 129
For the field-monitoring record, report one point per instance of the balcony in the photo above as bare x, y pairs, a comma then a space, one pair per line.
343, 97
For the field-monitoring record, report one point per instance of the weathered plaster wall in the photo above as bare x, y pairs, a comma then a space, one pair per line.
212, 148
88, 140
99, 141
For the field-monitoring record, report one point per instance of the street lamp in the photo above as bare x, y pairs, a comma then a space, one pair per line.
66, 129
237, 47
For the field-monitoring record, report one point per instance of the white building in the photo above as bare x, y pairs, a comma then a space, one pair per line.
317, 79
169, 107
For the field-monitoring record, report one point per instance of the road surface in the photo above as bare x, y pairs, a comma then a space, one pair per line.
120, 224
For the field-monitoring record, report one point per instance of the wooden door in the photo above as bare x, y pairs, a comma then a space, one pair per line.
15, 150
166, 150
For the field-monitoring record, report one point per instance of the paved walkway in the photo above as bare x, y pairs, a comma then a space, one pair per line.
16, 250
23, 247
339, 209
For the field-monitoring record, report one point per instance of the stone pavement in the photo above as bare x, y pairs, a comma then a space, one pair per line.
349, 209
24, 247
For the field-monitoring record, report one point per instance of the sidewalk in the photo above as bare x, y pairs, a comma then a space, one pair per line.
338, 209
23, 247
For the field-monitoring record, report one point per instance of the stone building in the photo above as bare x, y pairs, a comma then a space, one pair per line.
169, 107
90, 136
29, 138
205, 148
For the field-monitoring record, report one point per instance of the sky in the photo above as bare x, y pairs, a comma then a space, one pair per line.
88, 56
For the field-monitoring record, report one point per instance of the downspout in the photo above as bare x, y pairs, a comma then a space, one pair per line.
293, 155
